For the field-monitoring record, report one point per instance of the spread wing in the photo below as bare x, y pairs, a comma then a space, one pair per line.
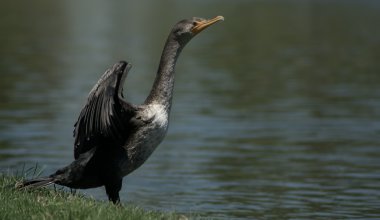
104, 119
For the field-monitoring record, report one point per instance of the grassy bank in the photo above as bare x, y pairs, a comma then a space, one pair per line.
56, 204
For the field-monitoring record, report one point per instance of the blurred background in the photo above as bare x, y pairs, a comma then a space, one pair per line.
276, 112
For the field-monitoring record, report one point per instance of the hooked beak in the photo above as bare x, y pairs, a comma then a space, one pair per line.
201, 25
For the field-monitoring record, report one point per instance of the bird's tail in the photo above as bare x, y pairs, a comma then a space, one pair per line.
36, 183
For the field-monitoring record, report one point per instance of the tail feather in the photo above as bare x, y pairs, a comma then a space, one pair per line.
36, 183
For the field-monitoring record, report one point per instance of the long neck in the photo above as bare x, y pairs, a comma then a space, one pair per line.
162, 90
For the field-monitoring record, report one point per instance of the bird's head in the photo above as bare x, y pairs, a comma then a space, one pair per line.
186, 29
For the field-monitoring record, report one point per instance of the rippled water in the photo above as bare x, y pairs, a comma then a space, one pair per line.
276, 111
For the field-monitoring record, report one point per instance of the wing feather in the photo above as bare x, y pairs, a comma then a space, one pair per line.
104, 119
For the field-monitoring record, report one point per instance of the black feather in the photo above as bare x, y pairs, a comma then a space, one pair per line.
105, 118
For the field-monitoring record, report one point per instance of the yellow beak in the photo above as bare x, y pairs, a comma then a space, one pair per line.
201, 25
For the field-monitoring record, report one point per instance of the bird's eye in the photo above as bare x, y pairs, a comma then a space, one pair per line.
195, 23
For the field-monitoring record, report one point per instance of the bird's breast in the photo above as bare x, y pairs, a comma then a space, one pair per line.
158, 114
155, 121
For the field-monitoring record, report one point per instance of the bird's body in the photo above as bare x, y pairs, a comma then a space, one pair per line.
114, 137
147, 137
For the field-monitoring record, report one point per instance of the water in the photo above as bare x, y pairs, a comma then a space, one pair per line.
276, 111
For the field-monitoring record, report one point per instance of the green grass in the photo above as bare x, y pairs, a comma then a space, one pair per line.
47, 203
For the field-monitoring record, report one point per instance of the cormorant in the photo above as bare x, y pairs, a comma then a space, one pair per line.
114, 137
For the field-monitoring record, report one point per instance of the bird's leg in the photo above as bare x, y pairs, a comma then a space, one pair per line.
114, 198
112, 190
